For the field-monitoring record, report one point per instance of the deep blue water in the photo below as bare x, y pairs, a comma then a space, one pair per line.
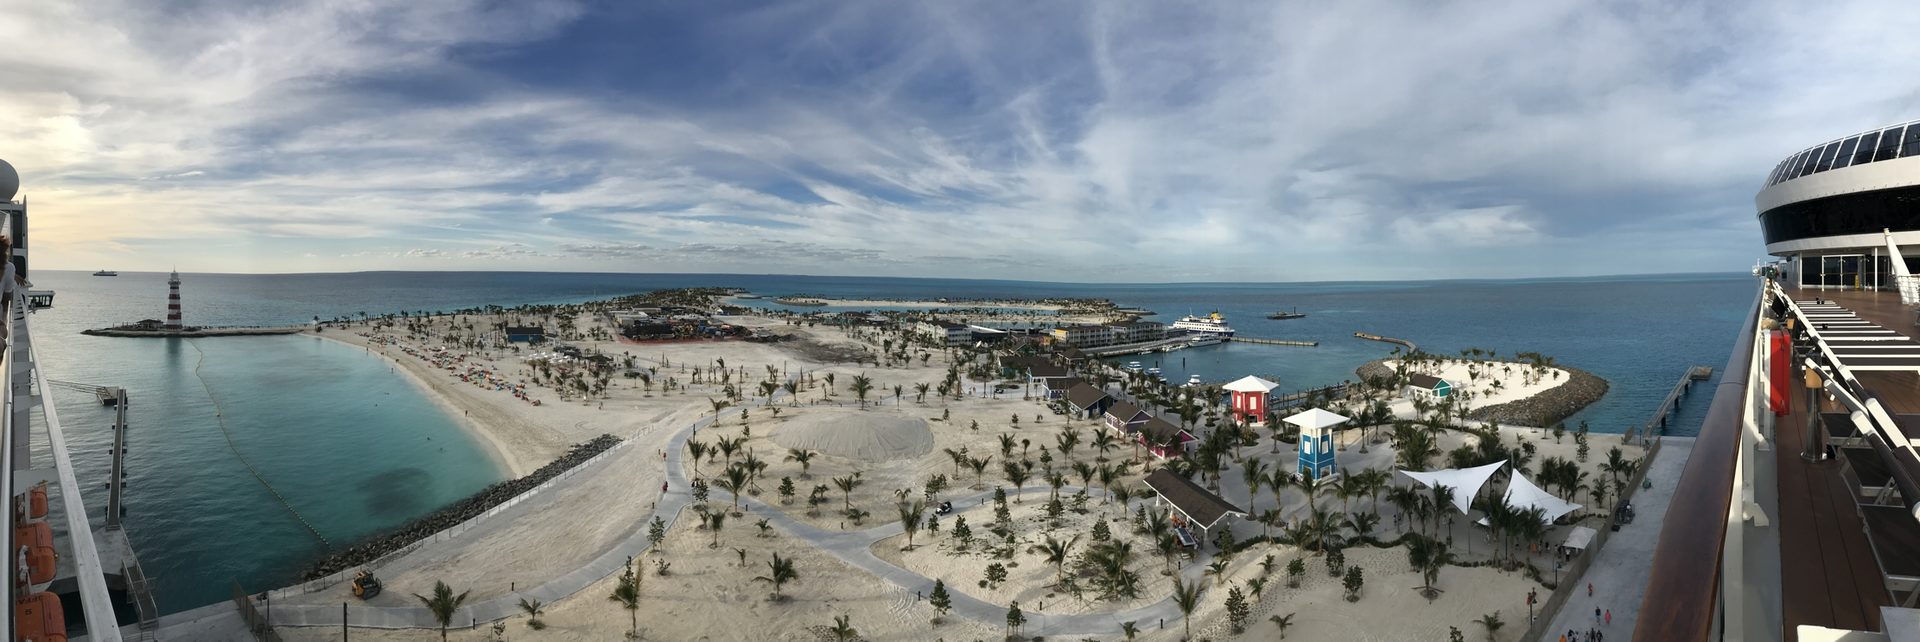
356, 449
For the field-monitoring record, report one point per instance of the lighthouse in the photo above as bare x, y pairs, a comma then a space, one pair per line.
173, 301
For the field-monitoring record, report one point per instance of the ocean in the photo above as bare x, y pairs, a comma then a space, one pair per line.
355, 449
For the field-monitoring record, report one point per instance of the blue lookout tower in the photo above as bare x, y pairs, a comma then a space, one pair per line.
1317, 461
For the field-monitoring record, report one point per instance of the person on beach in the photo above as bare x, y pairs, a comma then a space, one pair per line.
1609, 617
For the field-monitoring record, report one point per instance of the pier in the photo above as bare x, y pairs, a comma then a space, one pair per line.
1275, 342
1144, 347
1400, 342
1667, 408
189, 333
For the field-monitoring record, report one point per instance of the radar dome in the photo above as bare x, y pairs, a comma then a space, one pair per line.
9, 181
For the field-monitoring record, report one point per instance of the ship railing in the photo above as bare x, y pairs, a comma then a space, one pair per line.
1695, 565
22, 373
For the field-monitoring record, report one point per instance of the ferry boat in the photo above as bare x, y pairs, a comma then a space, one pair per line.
1795, 513
1213, 324
106, 273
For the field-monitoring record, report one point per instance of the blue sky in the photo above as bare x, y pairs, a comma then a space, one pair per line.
1130, 141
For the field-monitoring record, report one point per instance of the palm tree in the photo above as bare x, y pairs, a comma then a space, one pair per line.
1017, 474
1103, 441
1362, 524
698, 449
1492, 623
1187, 597
1278, 482
1007, 442
1282, 621
911, 516
861, 386
805, 457
979, 467
734, 482
959, 458
1428, 555
1057, 553
442, 604
846, 486
533, 608
718, 405
842, 628
779, 572
627, 593
714, 521
920, 392
1254, 473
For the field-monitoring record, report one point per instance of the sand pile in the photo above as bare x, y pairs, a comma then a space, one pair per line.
867, 436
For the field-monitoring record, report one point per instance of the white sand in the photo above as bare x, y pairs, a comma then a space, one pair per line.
866, 436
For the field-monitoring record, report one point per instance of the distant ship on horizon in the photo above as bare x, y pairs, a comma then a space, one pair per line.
106, 273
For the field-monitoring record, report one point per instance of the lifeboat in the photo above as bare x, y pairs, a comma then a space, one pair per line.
35, 556
37, 503
38, 618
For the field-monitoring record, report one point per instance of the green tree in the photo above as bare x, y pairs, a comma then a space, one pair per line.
1353, 582
996, 573
861, 386
1237, 610
627, 593
1492, 623
1282, 621
1057, 553
940, 599
805, 457
911, 516
842, 629
442, 604
656, 532
1015, 619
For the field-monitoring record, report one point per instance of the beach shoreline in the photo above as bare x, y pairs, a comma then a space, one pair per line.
511, 464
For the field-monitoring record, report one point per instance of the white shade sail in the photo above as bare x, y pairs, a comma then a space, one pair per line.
1465, 482
1522, 494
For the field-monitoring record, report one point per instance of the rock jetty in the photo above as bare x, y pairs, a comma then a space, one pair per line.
376, 546
1579, 390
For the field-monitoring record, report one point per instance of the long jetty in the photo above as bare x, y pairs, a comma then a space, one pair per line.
1275, 342
1401, 342
189, 333
1667, 408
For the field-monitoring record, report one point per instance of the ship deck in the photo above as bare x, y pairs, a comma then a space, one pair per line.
1830, 574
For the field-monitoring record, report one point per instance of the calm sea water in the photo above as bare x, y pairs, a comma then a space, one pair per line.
356, 449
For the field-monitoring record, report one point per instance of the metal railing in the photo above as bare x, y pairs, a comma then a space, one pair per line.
88, 571
1683, 593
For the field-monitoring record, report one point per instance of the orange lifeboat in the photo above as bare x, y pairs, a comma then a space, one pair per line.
37, 503
38, 618
36, 556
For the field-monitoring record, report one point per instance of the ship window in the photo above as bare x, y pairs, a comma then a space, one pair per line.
1774, 176
1793, 167
1826, 158
1807, 161
1867, 143
1889, 144
1911, 145
1846, 153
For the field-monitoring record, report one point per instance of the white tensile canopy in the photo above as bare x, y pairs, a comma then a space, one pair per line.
1250, 383
1522, 494
1316, 418
1465, 482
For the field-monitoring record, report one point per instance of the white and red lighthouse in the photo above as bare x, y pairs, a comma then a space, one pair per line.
173, 301
1250, 398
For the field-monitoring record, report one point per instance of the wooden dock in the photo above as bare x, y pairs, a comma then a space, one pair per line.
1275, 342
1658, 424
1399, 342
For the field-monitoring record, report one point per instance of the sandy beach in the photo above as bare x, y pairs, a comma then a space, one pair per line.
894, 442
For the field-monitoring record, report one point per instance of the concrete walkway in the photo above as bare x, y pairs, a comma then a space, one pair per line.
1619, 575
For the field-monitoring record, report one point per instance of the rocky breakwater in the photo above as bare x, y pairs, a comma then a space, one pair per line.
1553, 405
377, 546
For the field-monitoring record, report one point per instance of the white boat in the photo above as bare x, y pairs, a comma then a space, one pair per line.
1194, 380
1204, 340
1133, 366
1155, 372
1212, 324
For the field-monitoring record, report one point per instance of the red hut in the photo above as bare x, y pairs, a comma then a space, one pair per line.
1250, 398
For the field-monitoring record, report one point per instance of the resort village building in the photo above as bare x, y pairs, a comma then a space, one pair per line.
1115, 333
1164, 439
1249, 398
1083, 336
1087, 401
1124, 418
1191, 507
524, 334
1429, 387
954, 334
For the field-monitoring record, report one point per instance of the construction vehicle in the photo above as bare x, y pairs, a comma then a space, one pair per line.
365, 585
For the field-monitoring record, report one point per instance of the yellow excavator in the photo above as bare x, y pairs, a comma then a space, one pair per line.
365, 585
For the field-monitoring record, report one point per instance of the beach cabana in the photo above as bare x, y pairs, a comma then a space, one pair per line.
1039, 374
1087, 400
1317, 460
1124, 417
1249, 397
1577, 541
1465, 482
1427, 386
1523, 495
1191, 506
1156, 433
1057, 388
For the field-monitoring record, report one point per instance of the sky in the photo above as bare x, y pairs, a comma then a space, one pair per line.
1050, 141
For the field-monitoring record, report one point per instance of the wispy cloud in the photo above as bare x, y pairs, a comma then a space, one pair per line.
1084, 141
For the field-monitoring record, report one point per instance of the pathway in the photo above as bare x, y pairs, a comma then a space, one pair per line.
1619, 575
